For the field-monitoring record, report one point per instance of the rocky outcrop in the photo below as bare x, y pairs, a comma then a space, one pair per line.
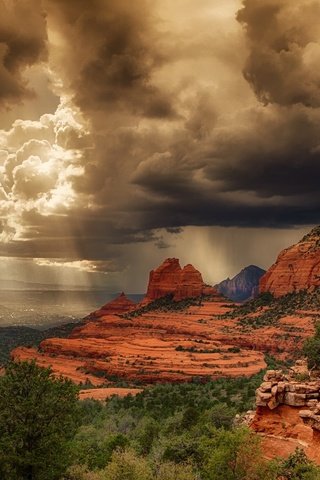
244, 286
288, 412
118, 306
170, 279
297, 267
279, 389
311, 416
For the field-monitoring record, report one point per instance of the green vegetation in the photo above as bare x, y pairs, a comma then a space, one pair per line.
181, 348
268, 310
38, 419
12, 337
167, 304
313, 235
311, 349
167, 432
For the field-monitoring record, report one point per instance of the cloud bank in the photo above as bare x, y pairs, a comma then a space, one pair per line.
192, 114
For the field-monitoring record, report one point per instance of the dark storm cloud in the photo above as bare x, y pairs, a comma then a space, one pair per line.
278, 153
113, 51
22, 44
158, 128
283, 38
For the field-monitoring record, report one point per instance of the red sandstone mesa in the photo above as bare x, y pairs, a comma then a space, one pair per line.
182, 283
297, 267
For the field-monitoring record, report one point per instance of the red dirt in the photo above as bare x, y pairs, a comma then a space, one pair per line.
105, 393
283, 431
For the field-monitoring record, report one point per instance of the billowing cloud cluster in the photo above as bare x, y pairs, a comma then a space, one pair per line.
172, 114
39, 162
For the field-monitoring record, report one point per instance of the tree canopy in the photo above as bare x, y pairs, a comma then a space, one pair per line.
38, 417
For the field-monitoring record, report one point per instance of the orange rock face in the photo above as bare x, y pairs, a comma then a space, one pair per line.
119, 305
297, 267
169, 346
283, 431
170, 278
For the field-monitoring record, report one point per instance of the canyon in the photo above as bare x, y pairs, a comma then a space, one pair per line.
185, 330
167, 340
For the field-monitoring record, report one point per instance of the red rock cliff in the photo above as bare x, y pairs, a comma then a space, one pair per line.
170, 278
297, 267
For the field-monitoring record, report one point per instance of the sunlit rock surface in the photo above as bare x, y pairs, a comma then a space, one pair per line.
297, 267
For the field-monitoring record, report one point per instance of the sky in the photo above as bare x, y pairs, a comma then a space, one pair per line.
135, 131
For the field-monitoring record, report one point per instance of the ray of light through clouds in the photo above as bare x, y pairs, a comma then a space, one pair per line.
134, 131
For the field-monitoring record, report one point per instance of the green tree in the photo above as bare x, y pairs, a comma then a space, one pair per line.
38, 417
127, 465
172, 471
236, 455
146, 434
81, 472
94, 448
311, 349
298, 467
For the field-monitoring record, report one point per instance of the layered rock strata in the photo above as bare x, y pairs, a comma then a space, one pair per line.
297, 267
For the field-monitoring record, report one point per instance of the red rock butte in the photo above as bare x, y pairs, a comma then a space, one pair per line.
120, 305
171, 279
297, 267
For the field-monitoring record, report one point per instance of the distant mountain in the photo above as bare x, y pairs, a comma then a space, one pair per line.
243, 286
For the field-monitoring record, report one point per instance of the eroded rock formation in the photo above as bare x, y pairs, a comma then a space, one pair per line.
297, 267
170, 279
288, 413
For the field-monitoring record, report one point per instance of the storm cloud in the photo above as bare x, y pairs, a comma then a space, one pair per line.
22, 44
171, 115
283, 38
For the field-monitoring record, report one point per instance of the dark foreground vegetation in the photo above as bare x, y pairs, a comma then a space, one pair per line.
12, 337
168, 432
